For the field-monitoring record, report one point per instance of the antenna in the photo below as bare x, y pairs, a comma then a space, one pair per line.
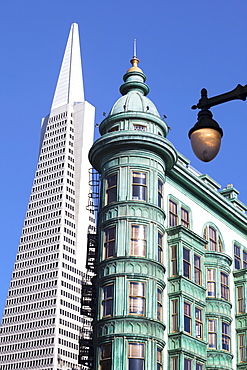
134, 47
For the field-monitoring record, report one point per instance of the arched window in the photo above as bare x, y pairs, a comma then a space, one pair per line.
212, 235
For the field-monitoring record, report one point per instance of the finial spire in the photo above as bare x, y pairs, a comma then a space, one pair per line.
134, 61
134, 48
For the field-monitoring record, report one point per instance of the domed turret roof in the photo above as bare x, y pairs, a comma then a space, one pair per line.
134, 92
134, 101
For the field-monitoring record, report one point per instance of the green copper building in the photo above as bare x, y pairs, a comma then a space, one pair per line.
172, 262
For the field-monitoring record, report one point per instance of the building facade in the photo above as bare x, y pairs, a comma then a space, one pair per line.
171, 272
171, 276
42, 322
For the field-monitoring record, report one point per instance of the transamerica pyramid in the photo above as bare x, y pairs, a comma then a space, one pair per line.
42, 322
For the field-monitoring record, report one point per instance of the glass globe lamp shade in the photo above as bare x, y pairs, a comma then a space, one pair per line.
205, 143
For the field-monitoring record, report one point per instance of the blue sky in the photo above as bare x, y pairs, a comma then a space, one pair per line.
183, 46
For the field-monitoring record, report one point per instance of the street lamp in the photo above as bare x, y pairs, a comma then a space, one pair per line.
206, 134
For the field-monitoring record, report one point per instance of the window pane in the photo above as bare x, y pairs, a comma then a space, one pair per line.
187, 364
137, 299
115, 128
159, 304
139, 178
187, 317
211, 283
199, 366
186, 263
136, 350
211, 274
241, 344
185, 218
140, 128
173, 213
138, 240
212, 239
159, 247
107, 301
112, 195
109, 244
136, 306
137, 289
105, 356
173, 260
159, 359
212, 339
186, 254
174, 363
138, 192
225, 336
224, 286
136, 364
198, 319
110, 233
160, 184
136, 356
240, 299
109, 249
106, 351
139, 186
174, 315
197, 269
111, 188
237, 260
244, 259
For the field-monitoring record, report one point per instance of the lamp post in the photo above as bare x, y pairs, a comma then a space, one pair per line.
206, 134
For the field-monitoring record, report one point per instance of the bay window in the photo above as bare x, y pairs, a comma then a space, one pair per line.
174, 309
186, 262
159, 358
160, 194
211, 291
138, 240
136, 356
107, 300
109, 242
160, 249
139, 186
226, 336
137, 298
197, 270
106, 356
198, 323
111, 188
212, 334
224, 286
159, 304
187, 317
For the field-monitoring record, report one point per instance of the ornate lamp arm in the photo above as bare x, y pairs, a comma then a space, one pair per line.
240, 92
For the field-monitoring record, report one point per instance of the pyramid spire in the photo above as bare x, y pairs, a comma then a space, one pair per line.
69, 87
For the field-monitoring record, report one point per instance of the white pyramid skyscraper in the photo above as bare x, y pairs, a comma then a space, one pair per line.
42, 321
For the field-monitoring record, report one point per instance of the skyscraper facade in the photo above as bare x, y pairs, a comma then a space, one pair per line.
42, 321
172, 263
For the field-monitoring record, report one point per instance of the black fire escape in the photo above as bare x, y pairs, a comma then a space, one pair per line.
88, 297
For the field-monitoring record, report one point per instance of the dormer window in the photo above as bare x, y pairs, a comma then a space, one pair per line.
114, 128
140, 128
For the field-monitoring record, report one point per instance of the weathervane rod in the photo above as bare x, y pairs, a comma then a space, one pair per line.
134, 47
